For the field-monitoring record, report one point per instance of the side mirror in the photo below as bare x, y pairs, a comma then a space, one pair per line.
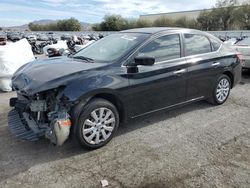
144, 60
140, 60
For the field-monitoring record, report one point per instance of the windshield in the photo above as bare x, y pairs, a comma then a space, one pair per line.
111, 47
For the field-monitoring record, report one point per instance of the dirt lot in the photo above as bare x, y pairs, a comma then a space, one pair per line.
199, 145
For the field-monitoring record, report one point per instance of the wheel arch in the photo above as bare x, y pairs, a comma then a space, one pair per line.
111, 97
115, 100
231, 76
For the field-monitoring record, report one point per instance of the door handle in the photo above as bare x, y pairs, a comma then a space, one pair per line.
180, 71
216, 64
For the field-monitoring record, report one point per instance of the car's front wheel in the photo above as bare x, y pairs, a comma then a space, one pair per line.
221, 90
97, 124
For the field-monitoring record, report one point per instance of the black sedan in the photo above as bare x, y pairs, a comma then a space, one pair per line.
122, 76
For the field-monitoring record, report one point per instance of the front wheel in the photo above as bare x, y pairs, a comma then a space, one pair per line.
97, 124
221, 90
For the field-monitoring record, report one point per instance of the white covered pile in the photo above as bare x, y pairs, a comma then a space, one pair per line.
12, 57
61, 44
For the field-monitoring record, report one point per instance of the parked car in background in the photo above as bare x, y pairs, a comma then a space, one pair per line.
244, 48
53, 36
14, 36
3, 38
66, 37
31, 37
42, 37
121, 76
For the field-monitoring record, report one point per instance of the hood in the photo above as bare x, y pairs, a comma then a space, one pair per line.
47, 74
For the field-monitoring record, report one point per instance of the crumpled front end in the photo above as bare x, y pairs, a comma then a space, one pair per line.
41, 115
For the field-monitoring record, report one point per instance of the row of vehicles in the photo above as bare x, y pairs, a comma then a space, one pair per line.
15, 36
51, 44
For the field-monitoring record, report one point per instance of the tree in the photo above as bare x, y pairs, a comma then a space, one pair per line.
71, 24
143, 23
192, 23
163, 22
222, 17
243, 16
225, 16
208, 21
96, 27
113, 23
131, 23
186, 23
226, 3
1, 29
224, 11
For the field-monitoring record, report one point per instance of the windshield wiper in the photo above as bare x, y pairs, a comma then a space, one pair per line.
84, 58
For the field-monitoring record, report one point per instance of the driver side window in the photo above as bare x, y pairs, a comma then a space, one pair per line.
163, 48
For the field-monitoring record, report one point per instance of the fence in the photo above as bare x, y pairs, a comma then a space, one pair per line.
231, 33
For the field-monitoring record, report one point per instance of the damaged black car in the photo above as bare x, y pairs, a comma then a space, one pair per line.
122, 76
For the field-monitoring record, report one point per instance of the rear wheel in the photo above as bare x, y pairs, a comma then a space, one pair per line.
97, 124
221, 90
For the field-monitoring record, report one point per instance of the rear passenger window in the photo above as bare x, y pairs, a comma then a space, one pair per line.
196, 44
163, 48
216, 45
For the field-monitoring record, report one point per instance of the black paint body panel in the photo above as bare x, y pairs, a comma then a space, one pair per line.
150, 89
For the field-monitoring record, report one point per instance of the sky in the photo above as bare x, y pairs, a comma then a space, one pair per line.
19, 12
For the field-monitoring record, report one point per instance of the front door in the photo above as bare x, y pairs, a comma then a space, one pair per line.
162, 85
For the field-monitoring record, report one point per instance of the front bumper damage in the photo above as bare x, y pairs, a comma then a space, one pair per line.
33, 119
20, 128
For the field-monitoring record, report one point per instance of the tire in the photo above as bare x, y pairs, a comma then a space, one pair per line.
93, 132
221, 90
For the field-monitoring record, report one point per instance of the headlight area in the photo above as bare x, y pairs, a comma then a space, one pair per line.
44, 114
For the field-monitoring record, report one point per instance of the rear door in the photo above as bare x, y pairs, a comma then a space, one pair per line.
204, 65
163, 84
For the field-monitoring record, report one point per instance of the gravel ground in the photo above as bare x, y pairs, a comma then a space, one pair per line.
199, 145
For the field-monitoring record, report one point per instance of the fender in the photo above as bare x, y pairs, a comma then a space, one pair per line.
83, 88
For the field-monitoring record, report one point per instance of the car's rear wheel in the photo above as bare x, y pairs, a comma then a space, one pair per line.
221, 90
97, 124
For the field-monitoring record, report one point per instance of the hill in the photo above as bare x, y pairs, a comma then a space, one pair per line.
85, 26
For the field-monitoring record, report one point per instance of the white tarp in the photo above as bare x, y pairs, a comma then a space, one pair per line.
61, 44
12, 57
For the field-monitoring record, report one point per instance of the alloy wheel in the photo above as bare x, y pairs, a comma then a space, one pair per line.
99, 126
222, 90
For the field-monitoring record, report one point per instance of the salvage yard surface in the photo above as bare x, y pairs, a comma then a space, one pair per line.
199, 145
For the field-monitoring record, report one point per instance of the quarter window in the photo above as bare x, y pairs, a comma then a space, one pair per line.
163, 48
196, 44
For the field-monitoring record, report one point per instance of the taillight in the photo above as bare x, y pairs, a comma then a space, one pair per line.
240, 57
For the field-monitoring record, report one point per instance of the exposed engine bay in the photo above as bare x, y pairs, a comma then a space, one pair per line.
40, 115
47, 91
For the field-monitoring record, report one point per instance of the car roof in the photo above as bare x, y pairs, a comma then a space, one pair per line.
152, 30
156, 30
